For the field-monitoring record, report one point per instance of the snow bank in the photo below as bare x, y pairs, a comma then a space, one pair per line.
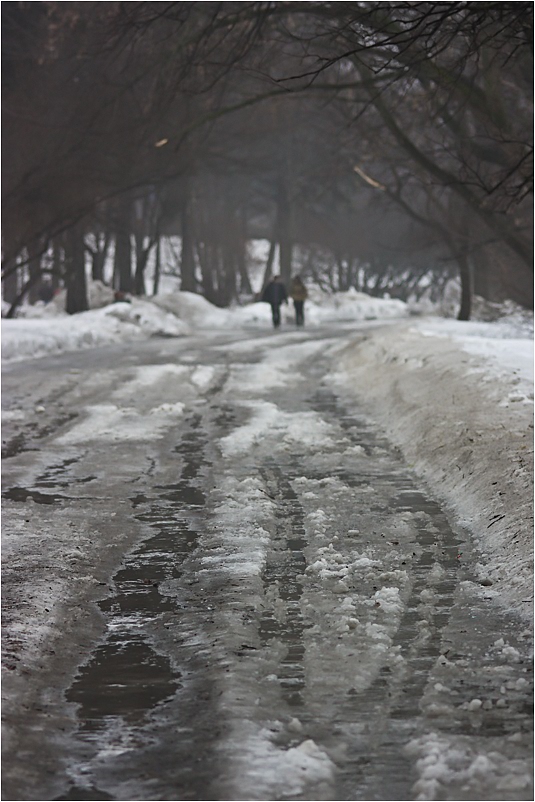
56, 332
30, 338
193, 309
458, 400
46, 329
457, 397
322, 308
351, 305
145, 316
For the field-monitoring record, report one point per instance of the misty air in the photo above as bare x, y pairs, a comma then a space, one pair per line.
267, 401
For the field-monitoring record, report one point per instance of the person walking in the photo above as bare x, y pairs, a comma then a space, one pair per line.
46, 291
275, 294
299, 294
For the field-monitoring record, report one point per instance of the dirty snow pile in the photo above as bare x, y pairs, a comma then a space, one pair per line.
41, 330
457, 398
49, 331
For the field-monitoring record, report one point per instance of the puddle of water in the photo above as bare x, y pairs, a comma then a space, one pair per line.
182, 492
123, 678
15, 446
18, 443
224, 418
127, 679
57, 475
287, 564
79, 794
54, 476
22, 494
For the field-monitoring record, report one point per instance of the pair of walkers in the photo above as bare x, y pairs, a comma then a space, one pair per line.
275, 294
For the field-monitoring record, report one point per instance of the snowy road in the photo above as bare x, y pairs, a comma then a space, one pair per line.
222, 582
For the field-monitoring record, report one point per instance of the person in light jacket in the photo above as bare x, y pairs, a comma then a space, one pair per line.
275, 294
299, 294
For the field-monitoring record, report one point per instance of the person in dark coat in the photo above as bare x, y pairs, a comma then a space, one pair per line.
299, 294
46, 291
275, 294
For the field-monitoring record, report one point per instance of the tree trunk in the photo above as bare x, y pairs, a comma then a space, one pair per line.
139, 278
34, 268
19, 298
465, 273
98, 257
268, 272
204, 252
57, 262
142, 255
340, 272
10, 282
75, 272
245, 283
284, 228
343, 273
123, 262
187, 256
227, 288
352, 277
123, 250
461, 249
157, 267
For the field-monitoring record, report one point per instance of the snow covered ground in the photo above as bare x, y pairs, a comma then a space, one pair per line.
47, 330
456, 397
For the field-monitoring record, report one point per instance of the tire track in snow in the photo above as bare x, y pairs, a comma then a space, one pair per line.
282, 578
285, 620
390, 704
140, 700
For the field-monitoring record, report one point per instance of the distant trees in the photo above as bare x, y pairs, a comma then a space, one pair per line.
442, 96
371, 143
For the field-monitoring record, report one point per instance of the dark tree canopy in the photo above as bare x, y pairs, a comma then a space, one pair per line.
383, 136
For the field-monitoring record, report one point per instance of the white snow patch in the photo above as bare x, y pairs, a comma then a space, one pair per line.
240, 541
147, 376
203, 376
148, 317
47, 329
306, 428
266, 771
108, 422
193, 309
444, 396
278, 368
444, 766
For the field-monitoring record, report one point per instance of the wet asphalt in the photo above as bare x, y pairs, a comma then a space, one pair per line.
171, 667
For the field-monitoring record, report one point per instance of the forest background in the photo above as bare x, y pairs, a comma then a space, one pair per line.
381, 146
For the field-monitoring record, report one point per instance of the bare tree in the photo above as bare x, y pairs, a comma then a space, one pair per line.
301, 115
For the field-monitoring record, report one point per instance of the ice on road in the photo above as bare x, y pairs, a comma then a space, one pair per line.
231, 572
